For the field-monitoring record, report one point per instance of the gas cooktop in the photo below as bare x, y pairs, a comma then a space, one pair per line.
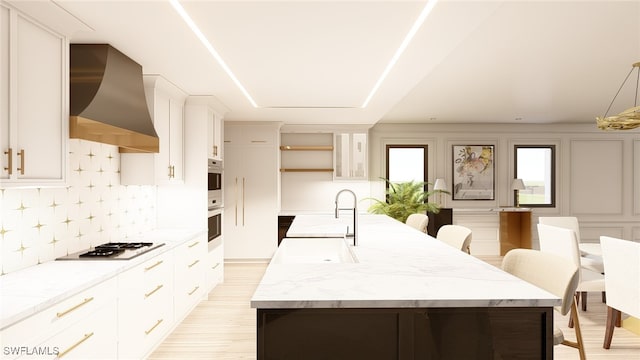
113, 251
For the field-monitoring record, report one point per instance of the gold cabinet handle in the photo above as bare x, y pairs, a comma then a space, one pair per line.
9, 154
194, 244
235, 193
193, 264
154, 265
169, 169
84, 302
194, 290
147, 332
84, 338
21, 168
243, 195
153, 291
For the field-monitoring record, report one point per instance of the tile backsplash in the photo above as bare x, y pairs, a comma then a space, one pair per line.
41, 224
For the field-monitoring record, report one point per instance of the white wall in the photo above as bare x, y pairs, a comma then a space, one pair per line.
595, 173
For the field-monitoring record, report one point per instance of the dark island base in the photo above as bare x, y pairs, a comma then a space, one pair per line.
405, 333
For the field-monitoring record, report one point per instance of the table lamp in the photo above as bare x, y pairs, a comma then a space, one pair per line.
517, 185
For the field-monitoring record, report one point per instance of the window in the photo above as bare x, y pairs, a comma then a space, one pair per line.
535, 165
406, 163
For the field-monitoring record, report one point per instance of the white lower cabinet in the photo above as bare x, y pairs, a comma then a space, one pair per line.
67, 327
214, 264
189, 275
145, 306
91, 338
124, 317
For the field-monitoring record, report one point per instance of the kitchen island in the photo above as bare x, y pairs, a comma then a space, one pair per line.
403, 295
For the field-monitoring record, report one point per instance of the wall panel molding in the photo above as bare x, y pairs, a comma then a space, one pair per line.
596, 176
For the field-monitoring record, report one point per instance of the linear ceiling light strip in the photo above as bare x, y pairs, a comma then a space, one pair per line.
194, 28
407, 39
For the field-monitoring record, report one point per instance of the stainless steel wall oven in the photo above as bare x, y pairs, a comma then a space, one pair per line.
214, 182
215, 226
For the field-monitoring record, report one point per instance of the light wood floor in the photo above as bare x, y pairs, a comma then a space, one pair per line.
224, 326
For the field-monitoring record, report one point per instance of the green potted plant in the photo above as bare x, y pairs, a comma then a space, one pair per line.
404, 199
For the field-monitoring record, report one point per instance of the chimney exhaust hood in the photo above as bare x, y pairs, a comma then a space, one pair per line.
107, 99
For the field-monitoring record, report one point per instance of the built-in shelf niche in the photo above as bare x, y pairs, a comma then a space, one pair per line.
306, 152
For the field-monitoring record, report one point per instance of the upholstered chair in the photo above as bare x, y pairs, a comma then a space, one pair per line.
622, 281
418, 221
457, 236
555, 274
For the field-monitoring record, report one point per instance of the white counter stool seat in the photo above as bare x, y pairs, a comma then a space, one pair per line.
563, 242
457, 236
622, 276
555, 274
592, 259
418, 221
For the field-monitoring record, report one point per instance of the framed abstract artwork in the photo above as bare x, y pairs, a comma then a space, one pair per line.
473, 172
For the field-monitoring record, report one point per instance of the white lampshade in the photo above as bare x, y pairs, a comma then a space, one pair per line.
440, 184
518, 184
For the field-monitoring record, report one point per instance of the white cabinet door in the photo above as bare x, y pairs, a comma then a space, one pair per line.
166, 107
4, 91
34, 92
214, 135
251, 204
351, 156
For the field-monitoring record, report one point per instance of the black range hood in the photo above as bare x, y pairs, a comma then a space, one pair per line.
107, 99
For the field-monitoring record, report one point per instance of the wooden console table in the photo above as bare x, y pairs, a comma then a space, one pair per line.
515, 229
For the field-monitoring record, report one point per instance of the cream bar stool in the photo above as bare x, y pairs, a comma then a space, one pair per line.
622, 280
418, 221
552, 273
457, 236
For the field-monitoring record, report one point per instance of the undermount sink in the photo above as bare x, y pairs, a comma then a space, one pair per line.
313, 250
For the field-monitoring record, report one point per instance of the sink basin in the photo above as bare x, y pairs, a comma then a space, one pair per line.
313, 250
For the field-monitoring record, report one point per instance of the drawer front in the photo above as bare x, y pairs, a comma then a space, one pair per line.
141, 328
214, 272
145, 306
60, 316
94, 337
189, 275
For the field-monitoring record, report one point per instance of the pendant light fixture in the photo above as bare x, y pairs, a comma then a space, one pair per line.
628, 119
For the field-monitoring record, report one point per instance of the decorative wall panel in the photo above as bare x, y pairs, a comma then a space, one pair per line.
596, 177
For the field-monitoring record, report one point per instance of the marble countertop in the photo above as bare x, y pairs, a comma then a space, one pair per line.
28, 291
397, 266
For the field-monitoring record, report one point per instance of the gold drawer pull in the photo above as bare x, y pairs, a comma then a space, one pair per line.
153, 291
61, 314
194, 244
154, 265
194, 290
9, 167
85, 338
215, 266
193, 264
21, 168
147, 332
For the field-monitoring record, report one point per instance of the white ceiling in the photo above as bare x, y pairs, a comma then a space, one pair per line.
315, 62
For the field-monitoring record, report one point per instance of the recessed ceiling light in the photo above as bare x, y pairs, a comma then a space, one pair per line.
194, 28
407, 39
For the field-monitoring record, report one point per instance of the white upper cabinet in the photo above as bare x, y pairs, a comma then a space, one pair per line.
351, 156
208, 110
34, 114
166, 107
